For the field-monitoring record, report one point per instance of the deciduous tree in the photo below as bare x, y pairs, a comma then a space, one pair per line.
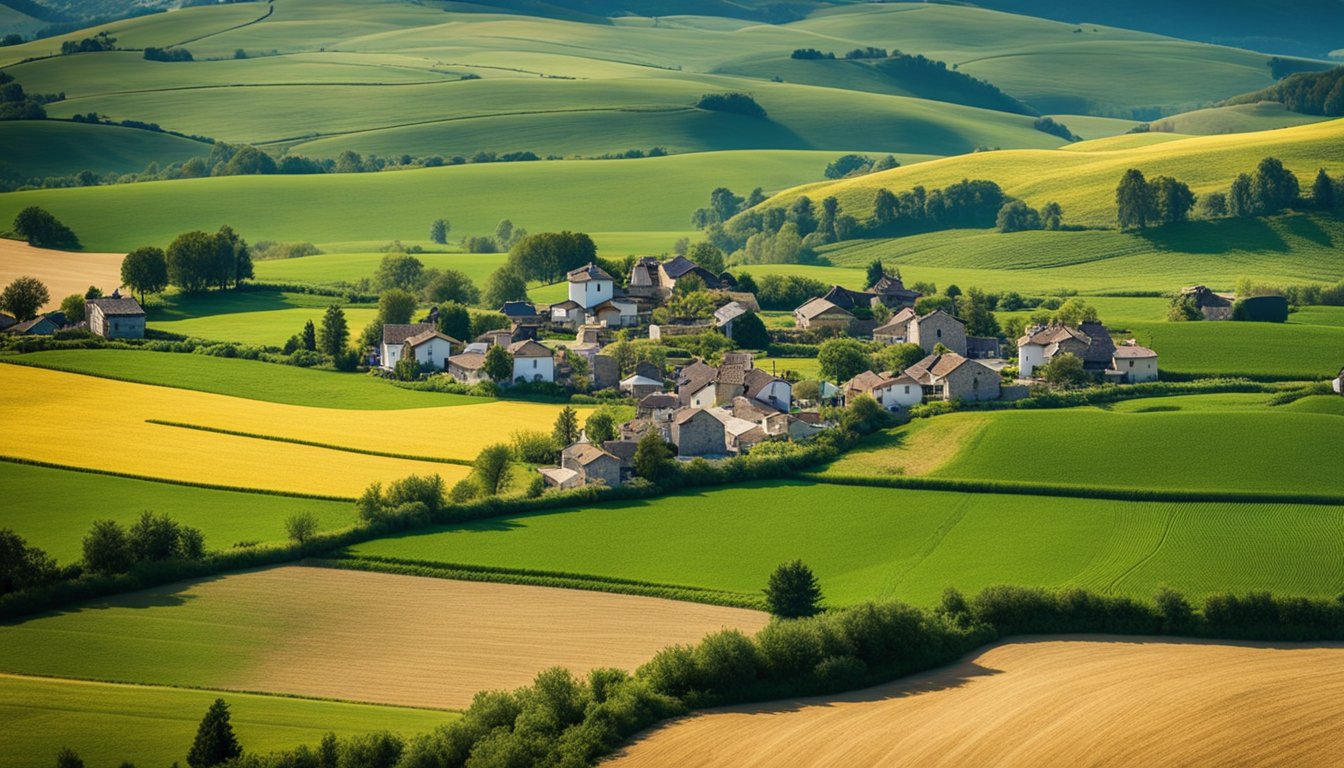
24, 297
145, 270
498, 364
493, 467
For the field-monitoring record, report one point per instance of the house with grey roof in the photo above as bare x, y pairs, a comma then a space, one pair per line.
822, 314
1132, 364
394, 341
696, 432
892, 391
1213, 306
115, 317
592, 463
430, 349
1089, 341
590, 285
893, 293
37, 326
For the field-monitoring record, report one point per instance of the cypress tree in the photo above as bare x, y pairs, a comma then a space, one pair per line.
566, 430
1323, 191
215, 742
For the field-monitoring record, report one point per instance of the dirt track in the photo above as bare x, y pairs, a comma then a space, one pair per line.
1093, 702
63, 272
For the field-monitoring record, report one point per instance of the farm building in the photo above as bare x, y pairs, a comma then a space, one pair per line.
893, 293
430, 349
523, 312
590, 285
725, 316
468, 367
891, 391
849, 300
532, 361
655, 280
950, 376
1214, 306
592, 463
1132, 364
568, 313
696, 432
659, 405
394, 341
639, 386
115, 317
38, 326
1089, 341
614, 313
701, 385
927, 331
820, 313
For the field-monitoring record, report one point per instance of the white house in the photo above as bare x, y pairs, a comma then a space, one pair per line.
394, 341
614, 313
532, 361
430, 349
569, 313
892, 392
1133, 364
116, 317
590, 285
771, 390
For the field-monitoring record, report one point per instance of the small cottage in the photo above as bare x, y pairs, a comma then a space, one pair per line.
115, 317
1133, 364
950, 376
696, 432
590, 285
822, 314
532, 361
394, 340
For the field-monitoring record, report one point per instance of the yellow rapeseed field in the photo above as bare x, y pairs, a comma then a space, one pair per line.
83, 421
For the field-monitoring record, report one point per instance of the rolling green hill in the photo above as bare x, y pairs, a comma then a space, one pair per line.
57, 148
1238, 118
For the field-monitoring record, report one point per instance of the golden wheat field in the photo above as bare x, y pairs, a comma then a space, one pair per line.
63, 272
1096, 701
355, 635
89, 422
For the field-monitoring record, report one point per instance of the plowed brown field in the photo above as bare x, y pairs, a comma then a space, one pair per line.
1089, 702
63, 272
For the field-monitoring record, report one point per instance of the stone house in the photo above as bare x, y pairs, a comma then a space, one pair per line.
696, 432
893, 293
592, 463
115, 317
822, 314
468, 367
1214, 306
658, 406
928, 331
567, 314
950, 376
1090, 342
849, 300
614, 313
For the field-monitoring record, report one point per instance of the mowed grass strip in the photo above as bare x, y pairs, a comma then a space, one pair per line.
54, 509
88, 422
356, 636
1123, 701
107, 723
250, 379
878, 543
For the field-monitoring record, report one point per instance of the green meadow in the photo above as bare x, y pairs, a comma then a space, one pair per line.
106, 723
872, 543
237, 377
55, 148
54, 508
333, 268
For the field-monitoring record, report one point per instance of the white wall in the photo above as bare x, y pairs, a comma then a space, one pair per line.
1143, 369
1028, 357
434, 352
389, 354
530, 368
781, 391
590, 293
900, 396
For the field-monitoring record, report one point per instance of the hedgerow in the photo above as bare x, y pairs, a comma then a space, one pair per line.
313, 443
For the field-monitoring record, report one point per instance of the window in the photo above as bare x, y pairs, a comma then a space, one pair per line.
940, 333
534, 363
907, 389
1131, 363
975, 383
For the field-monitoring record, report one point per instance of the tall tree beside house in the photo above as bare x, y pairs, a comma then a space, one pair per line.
334, 333
72, 307
215, 742
505, 284
750, 333
600, 427
875, 272
547, 256
566, 431
707, 255
24, 297
145, 270
498, 364
455, 320
978, 315
793, 591
1135, 202
653, 456
492, 467
842, 359
1064, 370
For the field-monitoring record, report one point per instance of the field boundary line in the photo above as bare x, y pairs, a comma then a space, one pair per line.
170, 481
308, 443
1161, 542
1073, 491
270, 8
538, 578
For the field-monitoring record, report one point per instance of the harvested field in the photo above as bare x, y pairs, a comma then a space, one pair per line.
63, 272
1082, 702
356, 636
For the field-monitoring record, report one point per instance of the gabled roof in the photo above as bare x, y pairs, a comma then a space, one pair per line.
1205, 297
816, 307
695, 371
1133, 351
529, 348
893, 287
752, 409
1053, 334
641, 381
468, 361
746, 299
864, 382
568, 305
756, 380
120, 307
935, 367
19, 329
426, 336
899, 322
687, 414
846, 299
659, 400
624, 450
733, 425
589, 271
936, 313
518, 309
587, 453
729, 312
395, 334
678, 266
732, 374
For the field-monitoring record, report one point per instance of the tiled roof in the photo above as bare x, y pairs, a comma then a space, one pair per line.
659, 400
935, 367
589, 271
587, 453
757, 380
398, 333
468, 361
529, 348
731, 374
424, 336
816, 307
123, 307
1133, 351
678, 266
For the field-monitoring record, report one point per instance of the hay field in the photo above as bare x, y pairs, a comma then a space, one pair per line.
1087, 702
45, 404
355, 636
107, 723
883, 543
63, 272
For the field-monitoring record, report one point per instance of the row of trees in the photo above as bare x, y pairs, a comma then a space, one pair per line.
109, 548
1269, 189
195, 261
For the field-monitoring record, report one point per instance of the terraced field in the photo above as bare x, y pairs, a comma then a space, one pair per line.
51, 401
53, 509
106, 723
875, 543
1094, 701
355, 636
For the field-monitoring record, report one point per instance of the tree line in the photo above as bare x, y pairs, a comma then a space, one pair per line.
1269, 189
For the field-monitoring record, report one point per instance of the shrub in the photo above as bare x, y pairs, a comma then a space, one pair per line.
1261, 309
535, 448
738, 103
793, 591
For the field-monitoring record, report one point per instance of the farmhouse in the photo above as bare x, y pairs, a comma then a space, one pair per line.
1132, 364
1214, 306
430, 349
590, 285
658, 406
394, 341
1089, 341
592, 464
696, 432
927, 331
115, 317
950, 376
639, 386
614, 313
849, 300
468, 367
41, 325
770, 390
892, 391
893, 293
532, 361
701, 385
568, 313
820, 313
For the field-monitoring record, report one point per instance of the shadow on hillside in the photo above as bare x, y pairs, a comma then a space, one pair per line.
166, 596
1216, 236
1308, 229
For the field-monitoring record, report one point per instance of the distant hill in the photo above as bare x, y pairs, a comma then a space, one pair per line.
1310, 93
773, 11
1300, 28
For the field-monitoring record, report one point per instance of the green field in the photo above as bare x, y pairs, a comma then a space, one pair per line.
52, 148
54, 509
1283, 351
107, 723
332, 268
1238, 118
867, 543
244, 378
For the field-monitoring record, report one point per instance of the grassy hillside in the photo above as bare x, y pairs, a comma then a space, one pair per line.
54, 509
1084, 182
1239, 118
108, 723
55, 148
867, 543
646, 196
330, 268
